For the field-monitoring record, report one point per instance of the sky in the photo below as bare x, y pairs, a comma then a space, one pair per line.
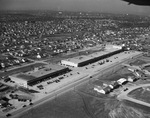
109, 6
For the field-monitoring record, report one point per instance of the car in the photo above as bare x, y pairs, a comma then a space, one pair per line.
24, 105
125, 89
49, 82
61, 77
40, 86
31, 103
7, 79
107, 60
57, 81
8, 115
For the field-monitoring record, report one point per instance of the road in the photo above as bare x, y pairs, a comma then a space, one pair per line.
124, 95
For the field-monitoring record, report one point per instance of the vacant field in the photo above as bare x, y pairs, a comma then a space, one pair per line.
142, 94
68, 105
145, 58
88, 89
116, 76
138, 62
143, 110
104, 106
72, 104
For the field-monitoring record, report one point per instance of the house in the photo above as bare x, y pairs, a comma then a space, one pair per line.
111, 86
107, 90
121, 81
99, 90
2, 102
115, 85
132, 79
2, 65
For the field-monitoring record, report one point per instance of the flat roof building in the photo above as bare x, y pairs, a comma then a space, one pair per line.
87, 59
38, 74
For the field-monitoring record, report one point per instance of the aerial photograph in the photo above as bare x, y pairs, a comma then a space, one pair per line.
74, 59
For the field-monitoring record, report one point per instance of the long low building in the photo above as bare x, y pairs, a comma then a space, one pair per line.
83, 60
38, 74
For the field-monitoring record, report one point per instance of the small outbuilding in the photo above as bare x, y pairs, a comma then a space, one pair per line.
121, 81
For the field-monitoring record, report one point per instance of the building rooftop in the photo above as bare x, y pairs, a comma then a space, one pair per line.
39, 72
108, 49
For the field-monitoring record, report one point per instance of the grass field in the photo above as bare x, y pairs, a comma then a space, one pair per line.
142, 94
68, 105
138, 62
144, 110
115, 76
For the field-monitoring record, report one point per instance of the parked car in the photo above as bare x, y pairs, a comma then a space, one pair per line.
24, 105
8, 115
